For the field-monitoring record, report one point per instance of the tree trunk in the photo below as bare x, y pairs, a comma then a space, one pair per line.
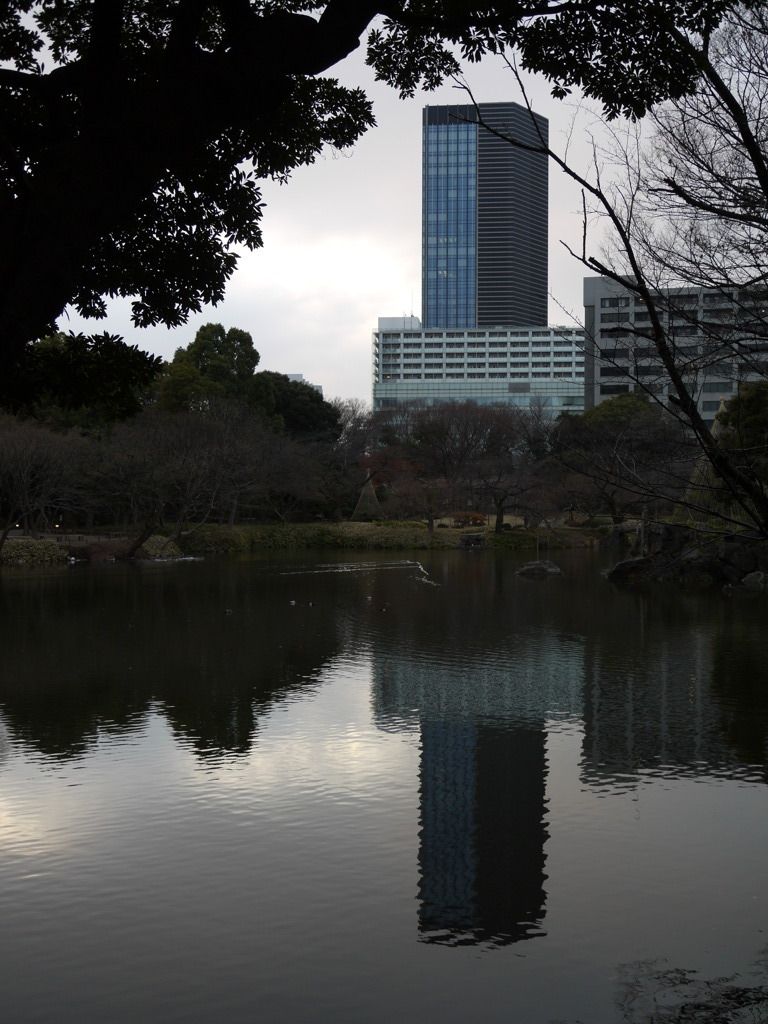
148, 529
232, 514
499, 523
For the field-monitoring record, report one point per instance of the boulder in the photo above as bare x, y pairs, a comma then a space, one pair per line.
540, 568
755, 580
630, 570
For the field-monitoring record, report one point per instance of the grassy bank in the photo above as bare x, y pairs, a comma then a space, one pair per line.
222, 540
386, 536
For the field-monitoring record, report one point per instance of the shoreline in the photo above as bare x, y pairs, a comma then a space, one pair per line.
224, 540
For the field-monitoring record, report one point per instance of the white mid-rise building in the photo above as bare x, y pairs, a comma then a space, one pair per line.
522, 366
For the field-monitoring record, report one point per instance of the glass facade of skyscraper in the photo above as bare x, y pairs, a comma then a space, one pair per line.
450, 223
484, 216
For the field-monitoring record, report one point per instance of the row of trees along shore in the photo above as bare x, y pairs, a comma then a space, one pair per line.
130, 164
209, 440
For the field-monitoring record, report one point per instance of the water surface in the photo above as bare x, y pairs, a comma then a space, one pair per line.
372, 789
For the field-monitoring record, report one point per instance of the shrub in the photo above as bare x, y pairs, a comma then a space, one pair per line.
512, 540
469, 519
158, 547
26, 551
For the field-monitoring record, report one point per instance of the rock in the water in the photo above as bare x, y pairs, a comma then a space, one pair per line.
630, 570
755, 580
541, 568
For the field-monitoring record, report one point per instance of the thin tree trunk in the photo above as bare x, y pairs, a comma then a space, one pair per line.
149, 528
499, 523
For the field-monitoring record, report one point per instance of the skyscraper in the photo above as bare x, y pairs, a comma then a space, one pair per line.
484, 217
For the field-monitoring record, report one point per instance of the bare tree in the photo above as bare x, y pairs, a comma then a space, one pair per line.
39, 475
623, 458
341, 462
690, 209
162, 466
511, 469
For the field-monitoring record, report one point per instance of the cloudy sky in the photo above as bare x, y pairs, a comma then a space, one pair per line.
342, 242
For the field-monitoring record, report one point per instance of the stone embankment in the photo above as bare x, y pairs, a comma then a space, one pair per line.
680, 554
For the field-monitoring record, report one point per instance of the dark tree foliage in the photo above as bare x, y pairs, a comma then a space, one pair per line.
135, 131
74, 380
743, 428
623, 456
299, 408
219, 364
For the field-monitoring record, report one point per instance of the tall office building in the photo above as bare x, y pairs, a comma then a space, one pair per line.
717, 334
484, 217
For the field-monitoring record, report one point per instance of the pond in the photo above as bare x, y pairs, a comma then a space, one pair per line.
360, 788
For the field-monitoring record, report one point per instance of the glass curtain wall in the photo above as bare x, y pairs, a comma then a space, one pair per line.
449, 235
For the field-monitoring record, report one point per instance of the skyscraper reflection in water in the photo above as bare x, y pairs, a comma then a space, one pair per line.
481, 849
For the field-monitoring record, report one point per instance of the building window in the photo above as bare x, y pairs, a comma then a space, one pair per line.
454, 376
714, 387
433, 376
614, 389
614, 302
